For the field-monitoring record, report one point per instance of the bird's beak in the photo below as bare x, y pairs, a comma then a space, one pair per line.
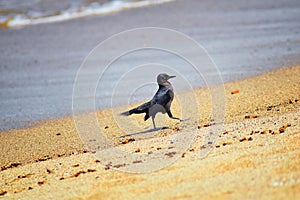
171, 77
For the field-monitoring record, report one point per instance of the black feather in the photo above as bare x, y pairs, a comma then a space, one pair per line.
127, 113
161, 97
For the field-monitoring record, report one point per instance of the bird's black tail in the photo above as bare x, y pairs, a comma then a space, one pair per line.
127, 113
138, 110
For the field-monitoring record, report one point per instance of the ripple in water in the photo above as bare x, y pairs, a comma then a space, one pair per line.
30, 12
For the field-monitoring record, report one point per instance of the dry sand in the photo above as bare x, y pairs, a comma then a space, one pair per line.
256, 154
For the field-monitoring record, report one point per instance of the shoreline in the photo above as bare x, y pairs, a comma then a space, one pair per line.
30, 124
24, 18
258, 147
203, 95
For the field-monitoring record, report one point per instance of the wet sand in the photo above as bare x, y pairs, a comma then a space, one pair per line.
255, 155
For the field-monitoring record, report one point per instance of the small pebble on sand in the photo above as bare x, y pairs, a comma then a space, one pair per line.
235, 92
3, 192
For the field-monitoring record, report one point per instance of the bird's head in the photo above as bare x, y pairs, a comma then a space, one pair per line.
163, 78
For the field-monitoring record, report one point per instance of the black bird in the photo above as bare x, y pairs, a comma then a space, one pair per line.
161, 102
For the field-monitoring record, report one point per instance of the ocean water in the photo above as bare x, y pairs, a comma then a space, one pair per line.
29, 12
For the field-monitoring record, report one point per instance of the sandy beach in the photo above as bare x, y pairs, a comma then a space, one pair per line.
254, 156
243, 145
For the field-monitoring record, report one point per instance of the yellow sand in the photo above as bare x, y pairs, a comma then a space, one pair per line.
256, 155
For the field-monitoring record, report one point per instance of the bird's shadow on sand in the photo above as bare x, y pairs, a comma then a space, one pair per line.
144, 132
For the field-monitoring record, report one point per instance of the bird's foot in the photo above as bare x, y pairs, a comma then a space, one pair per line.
182, 120
160, 128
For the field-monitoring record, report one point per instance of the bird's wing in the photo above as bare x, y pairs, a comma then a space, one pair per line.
140, 109
162, 96
143, 107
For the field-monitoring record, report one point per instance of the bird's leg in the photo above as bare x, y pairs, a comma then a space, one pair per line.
176, 118
171, 116
153, 122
